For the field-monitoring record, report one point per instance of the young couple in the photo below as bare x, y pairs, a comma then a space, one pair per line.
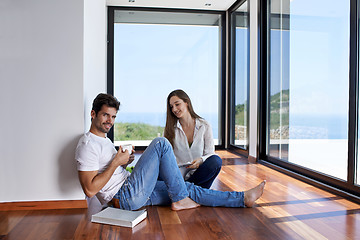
156, 178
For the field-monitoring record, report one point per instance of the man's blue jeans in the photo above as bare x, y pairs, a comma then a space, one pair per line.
142, 187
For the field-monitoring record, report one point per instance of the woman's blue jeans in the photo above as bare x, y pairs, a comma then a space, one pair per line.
205, 175
142, 187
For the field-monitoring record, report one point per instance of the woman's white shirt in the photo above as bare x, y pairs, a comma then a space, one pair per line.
201, 147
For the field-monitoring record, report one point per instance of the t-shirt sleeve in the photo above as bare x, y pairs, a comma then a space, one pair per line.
86, 157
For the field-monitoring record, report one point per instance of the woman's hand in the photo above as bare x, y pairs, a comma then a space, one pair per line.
195, 163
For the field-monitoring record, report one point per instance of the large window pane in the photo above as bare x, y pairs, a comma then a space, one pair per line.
309, 75
241, 76
155, 53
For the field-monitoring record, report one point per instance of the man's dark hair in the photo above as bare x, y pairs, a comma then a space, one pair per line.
105, 99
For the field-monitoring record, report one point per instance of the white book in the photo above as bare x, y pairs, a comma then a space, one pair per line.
184, 164
119, 217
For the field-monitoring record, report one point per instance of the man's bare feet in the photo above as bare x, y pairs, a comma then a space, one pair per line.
251, 195
185, 203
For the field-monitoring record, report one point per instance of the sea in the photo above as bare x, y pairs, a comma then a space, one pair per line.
318, 127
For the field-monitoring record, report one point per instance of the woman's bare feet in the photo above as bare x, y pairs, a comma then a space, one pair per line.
250, 196
185, 203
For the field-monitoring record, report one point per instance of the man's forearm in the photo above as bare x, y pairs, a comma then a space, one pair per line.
93, 182
101, 179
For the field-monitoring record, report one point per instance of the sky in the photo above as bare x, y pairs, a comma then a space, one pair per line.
315, 56
319, 57
162, 58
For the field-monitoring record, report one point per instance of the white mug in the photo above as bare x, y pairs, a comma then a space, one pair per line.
127, 147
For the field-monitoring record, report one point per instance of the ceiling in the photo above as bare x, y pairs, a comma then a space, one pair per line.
221, 5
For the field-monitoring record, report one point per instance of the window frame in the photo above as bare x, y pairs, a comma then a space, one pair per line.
353, 162
332, 184
232, 93
222, 61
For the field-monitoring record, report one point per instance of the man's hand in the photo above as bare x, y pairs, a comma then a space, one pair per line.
121, 158
131, 159
195, 163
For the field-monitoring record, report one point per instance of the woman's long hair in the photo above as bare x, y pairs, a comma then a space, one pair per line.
171, 119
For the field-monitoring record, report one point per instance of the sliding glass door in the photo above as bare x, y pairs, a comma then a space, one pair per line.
309, 84
240, 76
309, 89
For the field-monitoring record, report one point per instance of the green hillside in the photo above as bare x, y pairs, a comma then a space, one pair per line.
136, 131
275, 104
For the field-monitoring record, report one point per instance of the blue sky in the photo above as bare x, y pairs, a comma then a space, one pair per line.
162, 58
319, 57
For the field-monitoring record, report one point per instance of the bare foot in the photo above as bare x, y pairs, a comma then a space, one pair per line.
251, 195
185, 203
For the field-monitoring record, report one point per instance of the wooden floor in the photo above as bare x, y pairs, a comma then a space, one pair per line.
289, 209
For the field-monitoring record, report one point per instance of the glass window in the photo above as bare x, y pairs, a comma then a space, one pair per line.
309, 82
241, 76
156, 53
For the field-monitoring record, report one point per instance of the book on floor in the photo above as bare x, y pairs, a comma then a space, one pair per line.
119, 217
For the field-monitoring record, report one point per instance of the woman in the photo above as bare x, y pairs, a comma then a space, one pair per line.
192, 141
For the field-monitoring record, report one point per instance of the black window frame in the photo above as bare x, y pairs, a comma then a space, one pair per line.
222, 60
231, 70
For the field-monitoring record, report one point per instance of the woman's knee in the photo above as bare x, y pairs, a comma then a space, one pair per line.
215, 161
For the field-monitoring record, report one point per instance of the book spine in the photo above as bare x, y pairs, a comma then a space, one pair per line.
112, 222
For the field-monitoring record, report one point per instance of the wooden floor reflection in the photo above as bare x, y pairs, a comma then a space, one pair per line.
288, 209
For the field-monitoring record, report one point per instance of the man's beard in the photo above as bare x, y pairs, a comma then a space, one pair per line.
104, 129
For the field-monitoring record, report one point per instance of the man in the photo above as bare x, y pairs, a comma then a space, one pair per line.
102, 171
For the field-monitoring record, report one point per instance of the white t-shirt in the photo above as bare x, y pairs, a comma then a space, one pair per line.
202, 145
94, 153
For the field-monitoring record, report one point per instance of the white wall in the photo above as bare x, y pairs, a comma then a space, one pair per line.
95, 52
41, 100
253, 131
